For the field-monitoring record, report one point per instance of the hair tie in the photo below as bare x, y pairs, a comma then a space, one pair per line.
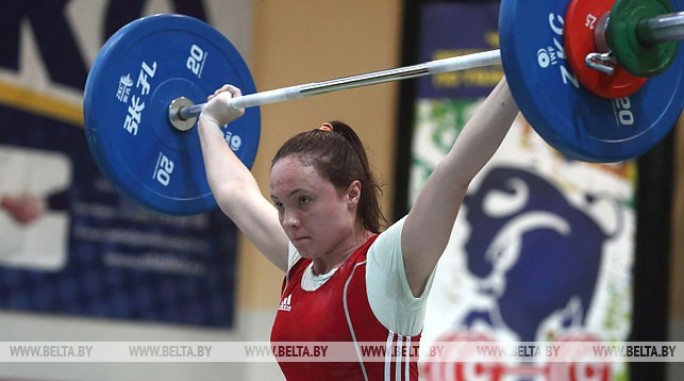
326, 127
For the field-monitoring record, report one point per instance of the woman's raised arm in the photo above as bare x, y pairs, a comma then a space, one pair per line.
428, 226
233, 185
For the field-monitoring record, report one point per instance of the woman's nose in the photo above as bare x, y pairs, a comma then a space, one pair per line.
290, 219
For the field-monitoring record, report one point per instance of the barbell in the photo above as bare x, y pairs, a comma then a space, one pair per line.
599, 80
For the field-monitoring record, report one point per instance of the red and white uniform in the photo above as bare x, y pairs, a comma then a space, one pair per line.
365, 300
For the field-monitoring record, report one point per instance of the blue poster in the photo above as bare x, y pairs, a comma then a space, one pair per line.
542, 249
70, 244
455, 29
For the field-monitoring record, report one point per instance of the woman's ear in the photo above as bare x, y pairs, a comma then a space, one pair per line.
354, 193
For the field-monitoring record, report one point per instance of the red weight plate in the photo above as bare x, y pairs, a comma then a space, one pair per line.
581, 21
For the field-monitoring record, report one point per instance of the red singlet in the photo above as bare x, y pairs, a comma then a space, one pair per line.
338, 311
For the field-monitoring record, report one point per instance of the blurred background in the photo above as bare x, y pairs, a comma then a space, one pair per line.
80, 263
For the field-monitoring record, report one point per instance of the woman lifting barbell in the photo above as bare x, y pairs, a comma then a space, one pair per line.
347, 279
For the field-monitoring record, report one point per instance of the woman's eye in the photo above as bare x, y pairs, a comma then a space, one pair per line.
278, 205
304, 200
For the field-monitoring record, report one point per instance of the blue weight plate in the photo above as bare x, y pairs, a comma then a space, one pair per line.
138, 72
571, 119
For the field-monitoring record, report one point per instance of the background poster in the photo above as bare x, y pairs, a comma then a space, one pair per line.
543, 246
69, 243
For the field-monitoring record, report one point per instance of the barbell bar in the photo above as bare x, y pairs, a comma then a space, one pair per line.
659, 29
141, 92
469, 61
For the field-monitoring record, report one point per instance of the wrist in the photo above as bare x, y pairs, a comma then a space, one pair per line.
208, 119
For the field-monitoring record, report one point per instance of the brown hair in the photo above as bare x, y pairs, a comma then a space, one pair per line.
339, 156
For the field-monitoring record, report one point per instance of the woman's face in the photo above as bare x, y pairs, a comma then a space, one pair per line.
317, 218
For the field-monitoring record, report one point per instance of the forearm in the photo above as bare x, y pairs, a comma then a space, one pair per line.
474, 147
481, 136
226, 174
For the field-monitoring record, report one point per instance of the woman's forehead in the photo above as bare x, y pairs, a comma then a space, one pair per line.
289, 173
292, 165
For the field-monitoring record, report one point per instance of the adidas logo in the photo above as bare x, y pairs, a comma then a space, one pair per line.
285, 304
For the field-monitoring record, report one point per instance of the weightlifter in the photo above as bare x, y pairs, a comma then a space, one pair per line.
347, 279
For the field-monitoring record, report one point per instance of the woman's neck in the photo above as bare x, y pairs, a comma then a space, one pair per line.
336, 258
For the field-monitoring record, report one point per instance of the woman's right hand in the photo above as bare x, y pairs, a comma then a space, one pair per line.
217, 109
